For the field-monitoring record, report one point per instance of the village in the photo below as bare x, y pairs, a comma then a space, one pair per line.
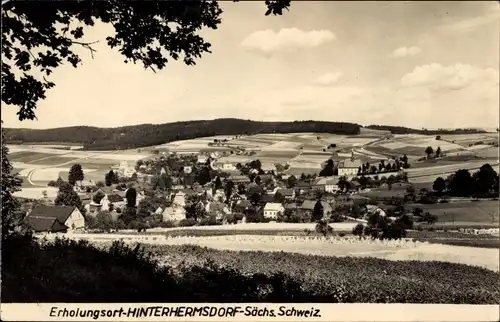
174, 189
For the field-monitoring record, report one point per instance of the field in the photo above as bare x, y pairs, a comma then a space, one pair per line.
39, 164
486, 211
399, 250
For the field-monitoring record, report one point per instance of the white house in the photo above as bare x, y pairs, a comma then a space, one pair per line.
273, 209
202, 159
349, 167
179, 199
55, 219
331, 184
174, 213
229, 167
116, 200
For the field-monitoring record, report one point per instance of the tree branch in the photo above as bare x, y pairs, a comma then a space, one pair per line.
86, 45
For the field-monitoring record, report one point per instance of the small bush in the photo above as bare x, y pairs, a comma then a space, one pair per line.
187, 222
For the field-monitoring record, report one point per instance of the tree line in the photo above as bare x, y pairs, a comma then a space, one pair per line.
128, 137
406, 130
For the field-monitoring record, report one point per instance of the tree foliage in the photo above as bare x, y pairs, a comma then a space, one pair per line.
131, 196
75, 174
10, 184
39, 37
67, 196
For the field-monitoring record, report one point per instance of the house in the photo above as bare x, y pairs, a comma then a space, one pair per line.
239, 179
241, 206
266, 198
225, 165
174, 213
302, 187
349, 167
115, 200
55, 219
124, 169
179, 199
219, 194
217, 209
308, 205
266, 166
273, 209
202, 159
354, 185
328, 184
289, 194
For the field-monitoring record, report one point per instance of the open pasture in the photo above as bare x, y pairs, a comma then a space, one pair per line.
484, 211
47, 174
356, 140
298, 169
471, 139
282, 146
36, 192
53, 160
490, 153
31, 157
236, 159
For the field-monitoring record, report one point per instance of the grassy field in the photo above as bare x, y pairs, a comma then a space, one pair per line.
486, 211
401, 282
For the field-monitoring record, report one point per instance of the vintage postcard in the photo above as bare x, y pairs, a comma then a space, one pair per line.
250, 160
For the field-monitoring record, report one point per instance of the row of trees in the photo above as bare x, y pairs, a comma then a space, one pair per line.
483, 182
429, 151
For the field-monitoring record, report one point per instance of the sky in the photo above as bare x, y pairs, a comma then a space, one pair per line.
416, 64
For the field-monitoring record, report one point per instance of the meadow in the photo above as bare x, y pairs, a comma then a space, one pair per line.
484, 211
350, 246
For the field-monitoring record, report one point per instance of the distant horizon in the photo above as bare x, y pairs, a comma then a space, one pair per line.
488, 129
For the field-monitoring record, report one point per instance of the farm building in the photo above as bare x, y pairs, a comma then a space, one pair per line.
289, 194
124, 169
225, 165
217, 209
55, 219
349, 167
239, 179
308, 205
112, 199
174, 213
328, 184
241, 206
202, 158
179, 199
273, 209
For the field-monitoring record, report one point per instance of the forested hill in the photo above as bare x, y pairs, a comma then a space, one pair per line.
406, 130
128, 137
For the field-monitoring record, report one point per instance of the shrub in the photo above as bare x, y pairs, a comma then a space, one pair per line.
188, 222
358, 230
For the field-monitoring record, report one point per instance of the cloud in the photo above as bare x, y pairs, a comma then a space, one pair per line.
406, 52
269, 41
471, 24
328, 79
436, 77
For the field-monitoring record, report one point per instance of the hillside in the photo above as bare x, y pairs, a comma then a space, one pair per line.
128, 137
